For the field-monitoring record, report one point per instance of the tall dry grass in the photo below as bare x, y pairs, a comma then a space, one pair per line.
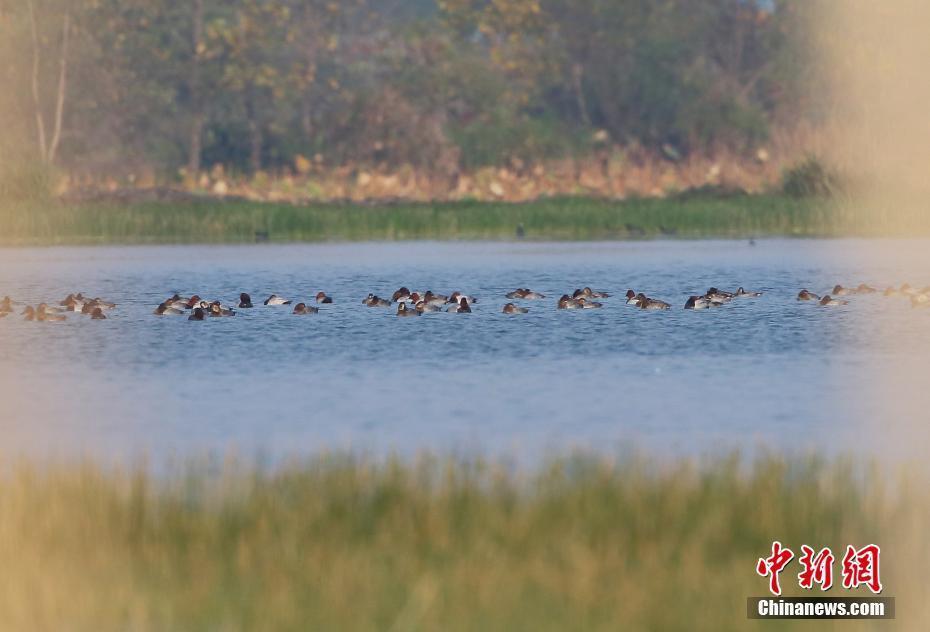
344, 543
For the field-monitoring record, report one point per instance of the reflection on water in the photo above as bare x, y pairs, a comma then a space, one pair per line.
758, 372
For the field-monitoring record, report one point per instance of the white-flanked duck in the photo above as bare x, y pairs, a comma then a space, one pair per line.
632, 298
44, 315
829, 301
425, 308
743, 293
699, 302
567, 302
510, 308
589, 304
462, 307
275, 300
165, 309
457, 297
402, 295
526, 294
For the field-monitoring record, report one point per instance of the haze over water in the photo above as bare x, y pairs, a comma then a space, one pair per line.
757, 373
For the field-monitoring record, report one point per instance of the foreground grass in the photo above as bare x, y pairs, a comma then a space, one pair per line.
213, 221
345, 544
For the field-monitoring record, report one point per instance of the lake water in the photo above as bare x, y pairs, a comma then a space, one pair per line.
757, 373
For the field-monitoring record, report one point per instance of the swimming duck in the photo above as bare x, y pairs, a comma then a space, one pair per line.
632, 298
907, 290
245, 301
29, 313
698, 302
436, 300
828, 301
890, 291
510, 308
45, 308
6, 305
302, 309
741, 292
458, 297
166, 310
193, 302
401, 295
526, 294
276, 300
654, 303
403, 311
805, 295
321, 297
43, 315
589, 293
199, 314
839, 290
461, 307
567, 302
374, 301
588, 304
423, 307
862, 288
217, 310
98, 314
102, 304
718, 296
920, 300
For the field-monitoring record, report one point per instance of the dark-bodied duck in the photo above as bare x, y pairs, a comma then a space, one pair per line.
806, 295
829, 301
199, 314
275, 300
567, 302
402, 310
375, 301
589, 304
98, 314
653, 304
321, 297
245, 301
632, 298
217, 310
461, 307
302, 309
510, 308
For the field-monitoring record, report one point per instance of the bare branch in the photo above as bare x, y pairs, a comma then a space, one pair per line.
40, 122
62, 82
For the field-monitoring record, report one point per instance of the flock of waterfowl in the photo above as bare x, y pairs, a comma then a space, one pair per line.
414, 303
